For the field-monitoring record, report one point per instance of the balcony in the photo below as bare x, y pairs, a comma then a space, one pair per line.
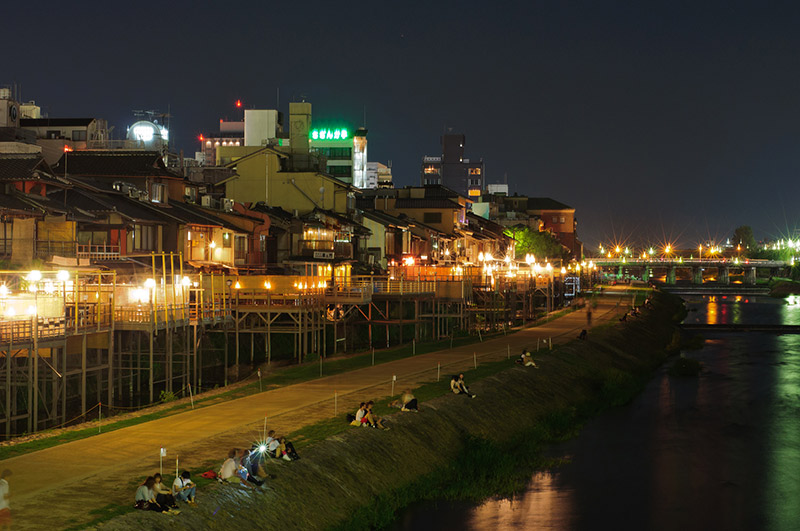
99, 252
326, 249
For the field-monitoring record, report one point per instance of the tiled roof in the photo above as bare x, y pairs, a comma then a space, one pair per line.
25, 167
114, 163
193, 214
545, 203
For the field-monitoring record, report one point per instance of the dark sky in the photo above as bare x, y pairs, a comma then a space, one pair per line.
655, 121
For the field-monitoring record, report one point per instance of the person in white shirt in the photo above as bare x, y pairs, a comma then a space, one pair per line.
230, 468
184, 488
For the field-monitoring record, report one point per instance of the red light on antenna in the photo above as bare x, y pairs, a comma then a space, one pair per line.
67, 149
238, 103
201, 138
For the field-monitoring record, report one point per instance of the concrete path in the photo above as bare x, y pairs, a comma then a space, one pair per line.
132, 452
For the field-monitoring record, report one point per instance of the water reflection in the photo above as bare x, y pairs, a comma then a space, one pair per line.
721, 451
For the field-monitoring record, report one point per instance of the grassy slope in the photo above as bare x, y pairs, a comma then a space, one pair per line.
343, 467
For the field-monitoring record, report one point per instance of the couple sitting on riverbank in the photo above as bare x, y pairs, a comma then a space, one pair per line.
241, 467
153, 495
458, 386
526, 359
366, 417
279, 447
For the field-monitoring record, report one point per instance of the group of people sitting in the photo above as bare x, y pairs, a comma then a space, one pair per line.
153, 495
248, 467
366, 417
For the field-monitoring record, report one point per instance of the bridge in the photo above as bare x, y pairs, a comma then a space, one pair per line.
646, 267
779, 329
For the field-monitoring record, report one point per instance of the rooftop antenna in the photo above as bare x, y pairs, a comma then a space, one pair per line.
365, 116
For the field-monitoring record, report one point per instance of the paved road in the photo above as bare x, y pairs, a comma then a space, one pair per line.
47, 474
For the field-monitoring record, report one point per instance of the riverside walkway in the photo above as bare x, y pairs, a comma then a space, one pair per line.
57, 487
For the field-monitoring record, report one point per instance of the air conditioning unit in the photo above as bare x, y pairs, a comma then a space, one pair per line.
227, 204
207, 201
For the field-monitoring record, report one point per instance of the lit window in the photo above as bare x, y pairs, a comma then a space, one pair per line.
474, 171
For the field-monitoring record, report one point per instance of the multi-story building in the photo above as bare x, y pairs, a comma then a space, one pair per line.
452, 170
379, 175
346, 153
230, 134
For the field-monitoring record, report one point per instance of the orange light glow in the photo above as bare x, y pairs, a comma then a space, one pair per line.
238, 103
201, 138
67, 149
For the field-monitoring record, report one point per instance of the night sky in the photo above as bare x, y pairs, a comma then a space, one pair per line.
655, 121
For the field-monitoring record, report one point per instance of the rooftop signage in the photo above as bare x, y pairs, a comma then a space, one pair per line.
329, 134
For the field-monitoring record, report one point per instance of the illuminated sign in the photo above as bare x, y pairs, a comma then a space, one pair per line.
329, 134
474, 193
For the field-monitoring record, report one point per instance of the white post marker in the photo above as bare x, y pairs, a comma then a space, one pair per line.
265, 427
475, 359
259, 381
161, 455
413, 347
479, 335
394, 379
537, 344
176, 467
191, 398
551, 343
438, 371
335, 403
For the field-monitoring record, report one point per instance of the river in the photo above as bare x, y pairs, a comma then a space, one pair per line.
721, 451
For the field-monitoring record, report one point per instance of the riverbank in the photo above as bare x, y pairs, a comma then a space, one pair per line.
342, 475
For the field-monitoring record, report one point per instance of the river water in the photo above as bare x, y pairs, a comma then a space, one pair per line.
721, 451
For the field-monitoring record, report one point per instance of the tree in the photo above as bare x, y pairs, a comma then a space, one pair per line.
743, 236
539, 244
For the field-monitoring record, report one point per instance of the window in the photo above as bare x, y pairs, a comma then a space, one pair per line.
226, 240
432, 217
190, 193
262, 243
555, 219
53, 134
562, 220
474, 171
431, 170
340, 171
77, 134
144, 237
158, 193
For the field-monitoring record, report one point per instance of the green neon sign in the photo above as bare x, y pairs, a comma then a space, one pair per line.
329, 134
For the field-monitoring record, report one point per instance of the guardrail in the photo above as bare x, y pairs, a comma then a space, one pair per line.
99, 252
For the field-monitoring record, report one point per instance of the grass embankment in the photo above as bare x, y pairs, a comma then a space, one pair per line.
279, 377
455, 447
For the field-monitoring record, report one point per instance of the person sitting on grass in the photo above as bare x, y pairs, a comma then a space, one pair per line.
361, 416
184, 489
163, 494
256, 463
146, 498
374, 420
244, 472
407, 402
228, 472
458, 386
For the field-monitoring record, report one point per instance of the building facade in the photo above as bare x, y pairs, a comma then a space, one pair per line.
452, 170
